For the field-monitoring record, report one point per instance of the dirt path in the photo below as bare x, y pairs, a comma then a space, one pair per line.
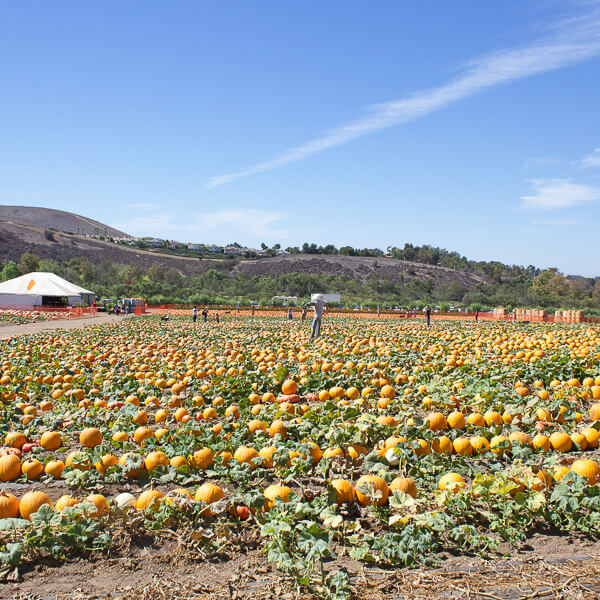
10, 331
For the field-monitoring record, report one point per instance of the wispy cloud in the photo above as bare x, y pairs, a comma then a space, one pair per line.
143, 206
591, 160
557, 222
572, 40
552, 194
226, 224
542, 161
257, 223
159, 224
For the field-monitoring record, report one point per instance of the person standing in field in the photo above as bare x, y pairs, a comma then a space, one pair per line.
238, 307
217, 318
290, 314
318, 307
195, 314
476, 315
428, 315
378, 311
253, 310
303, 313
205, 314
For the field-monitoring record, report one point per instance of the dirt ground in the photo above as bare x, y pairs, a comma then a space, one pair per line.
553, 569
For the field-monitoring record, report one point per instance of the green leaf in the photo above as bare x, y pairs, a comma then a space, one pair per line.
13, 554
45, 516
14, 523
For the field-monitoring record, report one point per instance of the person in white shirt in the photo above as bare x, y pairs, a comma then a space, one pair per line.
318, 307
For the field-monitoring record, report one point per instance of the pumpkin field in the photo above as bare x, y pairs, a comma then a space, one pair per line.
244, 449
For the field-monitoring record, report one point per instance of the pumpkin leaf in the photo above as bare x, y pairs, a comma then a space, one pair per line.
14, 523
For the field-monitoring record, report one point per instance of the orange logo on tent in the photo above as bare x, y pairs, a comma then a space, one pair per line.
30, 284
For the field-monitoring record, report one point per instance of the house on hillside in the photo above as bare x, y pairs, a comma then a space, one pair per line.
153, 242
214, 249
173, 245
233, 251
196, 247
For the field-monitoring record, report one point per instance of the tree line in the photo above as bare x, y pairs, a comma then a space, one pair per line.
508, 286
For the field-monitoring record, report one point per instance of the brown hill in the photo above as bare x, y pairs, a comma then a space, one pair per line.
15, 239
49, 218
356, 267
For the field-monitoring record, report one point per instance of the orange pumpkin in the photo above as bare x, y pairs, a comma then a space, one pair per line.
31, 502
149, 500
10, 467
90, 437
378, 488
404, 484
51, 440
32, 468
343, 490
276, 491
9, 506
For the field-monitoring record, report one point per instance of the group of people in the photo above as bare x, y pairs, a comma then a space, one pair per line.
119, 309
318, 306
204, 315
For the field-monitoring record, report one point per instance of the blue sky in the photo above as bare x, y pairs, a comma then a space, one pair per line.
468, 125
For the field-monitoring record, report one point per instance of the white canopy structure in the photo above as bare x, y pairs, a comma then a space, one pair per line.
42, 289
285, 299
325, 297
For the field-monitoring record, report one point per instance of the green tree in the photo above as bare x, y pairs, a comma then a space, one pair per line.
29, 263
10, 271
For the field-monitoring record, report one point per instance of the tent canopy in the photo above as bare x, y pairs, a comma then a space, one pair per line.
30, 289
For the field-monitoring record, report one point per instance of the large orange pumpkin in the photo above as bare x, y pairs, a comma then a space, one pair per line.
31, 503
149, 500
588, 469
343, 490
51, 440
32, 468
375, 484
404, 484
9, 506
202, 458
156, 459
10, 467
65, 502
209, 493
101, 504
451, 482
276, 491
90, 437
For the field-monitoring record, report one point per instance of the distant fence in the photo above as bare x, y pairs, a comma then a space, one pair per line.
521, 315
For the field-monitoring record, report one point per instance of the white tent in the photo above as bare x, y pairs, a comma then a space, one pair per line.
42, 289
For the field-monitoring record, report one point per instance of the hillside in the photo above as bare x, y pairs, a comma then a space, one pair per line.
358, 268
17, 239
49, 218
412, 274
